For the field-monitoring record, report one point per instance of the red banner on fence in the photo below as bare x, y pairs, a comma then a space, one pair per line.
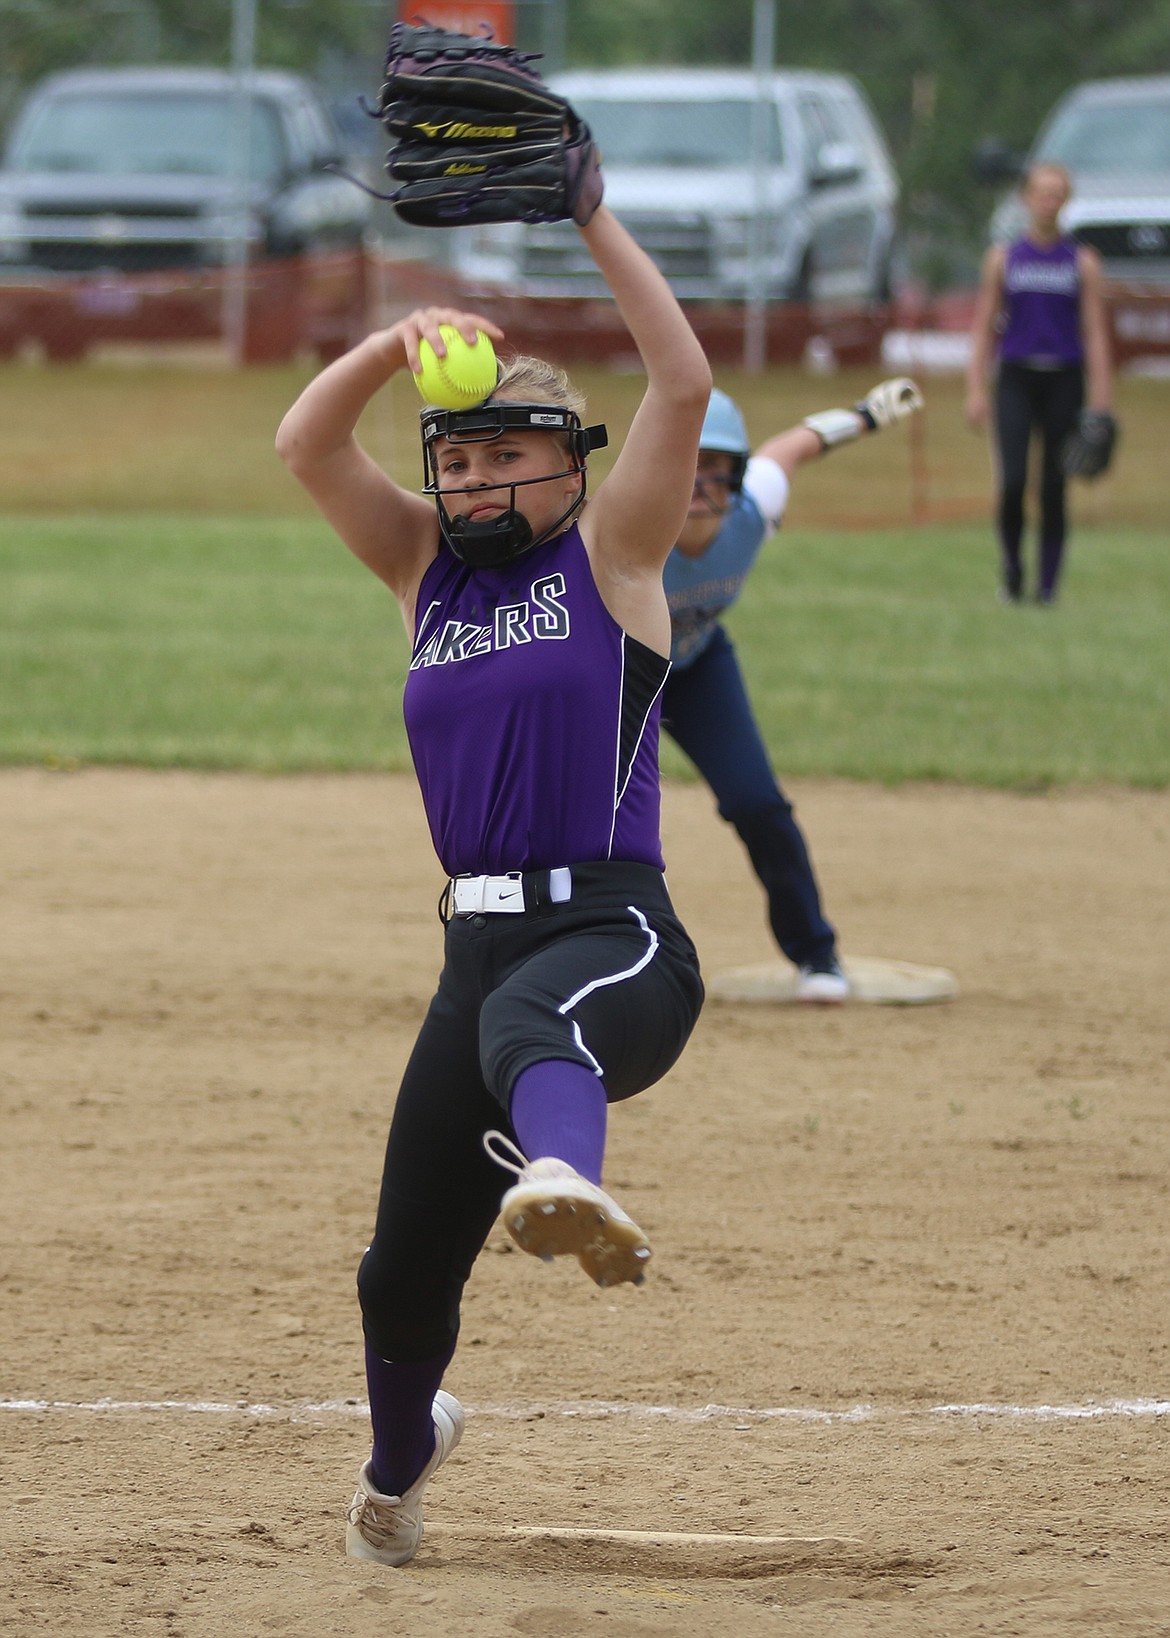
464, 16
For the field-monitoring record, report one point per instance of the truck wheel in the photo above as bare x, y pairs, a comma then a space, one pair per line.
802, 284
882, 286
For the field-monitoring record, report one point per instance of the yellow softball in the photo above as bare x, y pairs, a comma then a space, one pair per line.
465, 376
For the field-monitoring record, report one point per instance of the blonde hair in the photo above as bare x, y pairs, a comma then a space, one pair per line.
524, 379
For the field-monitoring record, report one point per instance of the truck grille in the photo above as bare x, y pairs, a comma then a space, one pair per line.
134, 209
681, 248
1130, 242
59, 257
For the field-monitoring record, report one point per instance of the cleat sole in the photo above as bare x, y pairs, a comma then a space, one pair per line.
610, 1248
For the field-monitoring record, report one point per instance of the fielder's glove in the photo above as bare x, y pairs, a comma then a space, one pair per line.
479, 137
889, 401
1088, 449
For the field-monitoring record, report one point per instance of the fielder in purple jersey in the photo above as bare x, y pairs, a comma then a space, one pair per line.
1041, 307
540, 646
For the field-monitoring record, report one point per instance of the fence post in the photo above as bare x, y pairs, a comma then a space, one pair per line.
755, 329
235, 285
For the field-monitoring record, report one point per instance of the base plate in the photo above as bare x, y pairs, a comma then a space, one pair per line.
871, 978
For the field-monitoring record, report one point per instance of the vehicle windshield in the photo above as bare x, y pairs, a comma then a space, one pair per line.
132, 134
1119, 136
687, 134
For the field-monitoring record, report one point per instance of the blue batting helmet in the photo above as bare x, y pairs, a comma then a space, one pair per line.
724, 429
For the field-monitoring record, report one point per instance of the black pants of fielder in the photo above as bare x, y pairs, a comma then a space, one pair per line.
1028, 399
609, 979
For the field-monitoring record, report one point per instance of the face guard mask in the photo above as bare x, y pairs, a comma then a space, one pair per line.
717, 493
487, 545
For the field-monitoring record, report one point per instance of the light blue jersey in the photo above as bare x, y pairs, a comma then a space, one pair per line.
701, 589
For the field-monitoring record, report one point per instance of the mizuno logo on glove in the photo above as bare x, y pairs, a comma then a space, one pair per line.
459, 130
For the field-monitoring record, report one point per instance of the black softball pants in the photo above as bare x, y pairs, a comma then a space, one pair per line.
1028, 399
609, 979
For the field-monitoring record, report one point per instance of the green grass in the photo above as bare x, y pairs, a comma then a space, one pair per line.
169, 597
165, 641
256, 642
155, 436
885, 657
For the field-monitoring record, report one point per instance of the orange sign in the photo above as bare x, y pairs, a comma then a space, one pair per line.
464, 16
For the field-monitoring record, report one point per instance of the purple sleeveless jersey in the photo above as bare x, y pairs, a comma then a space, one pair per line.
532, 716
1042, 304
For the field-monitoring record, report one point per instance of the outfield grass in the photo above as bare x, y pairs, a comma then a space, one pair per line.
169, 597
241, 643
156, 437
256, 642
886, 657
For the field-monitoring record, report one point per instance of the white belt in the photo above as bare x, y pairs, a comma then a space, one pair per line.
504, 895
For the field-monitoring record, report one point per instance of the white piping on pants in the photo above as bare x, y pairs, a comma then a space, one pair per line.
614, 978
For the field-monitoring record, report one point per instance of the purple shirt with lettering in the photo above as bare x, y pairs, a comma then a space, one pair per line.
1042, 305
532, 716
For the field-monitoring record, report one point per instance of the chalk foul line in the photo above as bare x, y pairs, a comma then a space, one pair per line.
609, 1409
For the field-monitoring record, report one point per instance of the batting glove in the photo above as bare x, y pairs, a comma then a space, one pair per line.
890, 401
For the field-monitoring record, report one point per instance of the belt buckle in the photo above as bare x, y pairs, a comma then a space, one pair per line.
503, 893
477, 895
467, 894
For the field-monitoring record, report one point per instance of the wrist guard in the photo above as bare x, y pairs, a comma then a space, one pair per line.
836, 426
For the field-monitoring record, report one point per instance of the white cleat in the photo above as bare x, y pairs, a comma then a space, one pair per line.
824, 985
552, 1211
388, 1529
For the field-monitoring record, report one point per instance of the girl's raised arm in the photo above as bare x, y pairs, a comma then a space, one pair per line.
634, 518
392, 530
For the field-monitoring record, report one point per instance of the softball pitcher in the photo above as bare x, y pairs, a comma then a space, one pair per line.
540, 640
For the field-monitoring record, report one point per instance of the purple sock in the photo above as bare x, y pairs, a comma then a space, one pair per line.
1051, 557
559, 1108
400, 1410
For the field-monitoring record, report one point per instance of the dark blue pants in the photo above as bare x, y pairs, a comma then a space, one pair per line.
706, 711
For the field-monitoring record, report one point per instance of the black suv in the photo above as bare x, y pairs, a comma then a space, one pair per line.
123, 209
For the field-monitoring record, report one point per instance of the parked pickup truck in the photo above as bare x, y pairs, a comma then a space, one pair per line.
676, 148
125, 206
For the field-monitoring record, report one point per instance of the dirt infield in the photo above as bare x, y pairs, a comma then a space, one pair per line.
909, 1293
